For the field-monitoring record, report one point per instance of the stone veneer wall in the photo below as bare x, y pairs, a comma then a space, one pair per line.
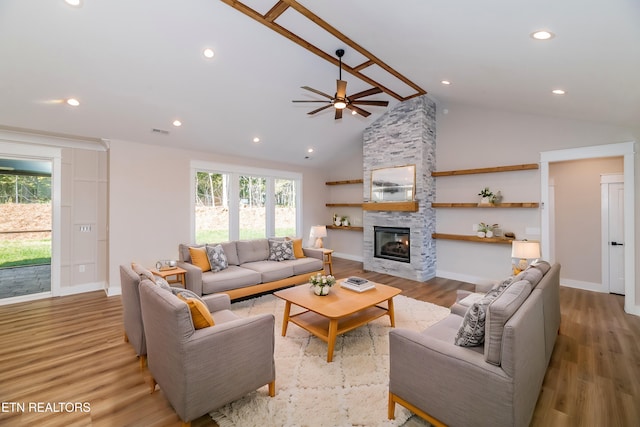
404, 135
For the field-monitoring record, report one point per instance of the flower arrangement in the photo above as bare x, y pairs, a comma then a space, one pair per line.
322, 280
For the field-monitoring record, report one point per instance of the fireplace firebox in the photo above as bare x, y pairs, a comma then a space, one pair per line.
392, 243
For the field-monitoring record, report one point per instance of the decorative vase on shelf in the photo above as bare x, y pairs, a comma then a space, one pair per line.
489, 233
345, 222
485, 201
482, 234
337, 222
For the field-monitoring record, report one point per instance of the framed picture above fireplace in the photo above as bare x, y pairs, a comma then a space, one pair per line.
394, 184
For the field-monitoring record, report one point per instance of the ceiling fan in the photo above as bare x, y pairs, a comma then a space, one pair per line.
340, 100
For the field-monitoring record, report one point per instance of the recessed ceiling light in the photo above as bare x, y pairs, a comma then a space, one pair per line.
542, 35
73, 102
74, 3
177, 123
208, 53
558, 92
310, 150
445, 82
256, 139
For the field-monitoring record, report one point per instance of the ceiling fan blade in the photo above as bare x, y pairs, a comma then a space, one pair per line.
360, 111
338, 114
317, 91
341, 91
320, 109
372, 102
364, 93
319, 100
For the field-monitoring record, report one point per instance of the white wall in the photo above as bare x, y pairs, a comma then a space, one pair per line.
346, 243
149, 203
472, 137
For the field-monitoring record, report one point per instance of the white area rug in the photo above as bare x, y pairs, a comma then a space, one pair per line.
350, 391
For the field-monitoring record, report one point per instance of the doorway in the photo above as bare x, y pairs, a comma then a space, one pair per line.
627, 151
33, 160
612, 195
25, 227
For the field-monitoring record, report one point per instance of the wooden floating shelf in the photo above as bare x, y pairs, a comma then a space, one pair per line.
510, 168
343, 205
476, 205
498, 240
391, 206
349, 181
342, 227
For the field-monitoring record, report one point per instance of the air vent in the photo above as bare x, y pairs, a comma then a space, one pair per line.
161, 131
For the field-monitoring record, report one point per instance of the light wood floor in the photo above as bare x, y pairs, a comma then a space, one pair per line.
71, 349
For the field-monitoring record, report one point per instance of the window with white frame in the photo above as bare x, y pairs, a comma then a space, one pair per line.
233, 203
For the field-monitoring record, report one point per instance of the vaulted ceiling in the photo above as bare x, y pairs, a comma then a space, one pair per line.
137, 66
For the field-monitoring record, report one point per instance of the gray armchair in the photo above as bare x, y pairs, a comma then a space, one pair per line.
131, 315
200, 370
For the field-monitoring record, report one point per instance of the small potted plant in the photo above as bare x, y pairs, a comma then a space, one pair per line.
487, 196
345, 221
321, 283
336, 219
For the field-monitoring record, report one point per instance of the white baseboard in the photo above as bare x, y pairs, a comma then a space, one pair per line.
24, 298
348, 256
113, 291
587, 286
80, 289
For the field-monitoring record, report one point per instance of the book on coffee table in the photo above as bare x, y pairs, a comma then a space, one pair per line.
357, 284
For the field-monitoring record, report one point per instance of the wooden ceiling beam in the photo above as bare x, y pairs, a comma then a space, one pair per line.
282, 5
277, 10
363, 65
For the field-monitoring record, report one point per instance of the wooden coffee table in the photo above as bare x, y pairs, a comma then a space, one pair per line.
341, 311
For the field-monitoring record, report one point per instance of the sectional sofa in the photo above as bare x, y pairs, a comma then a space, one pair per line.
249, 268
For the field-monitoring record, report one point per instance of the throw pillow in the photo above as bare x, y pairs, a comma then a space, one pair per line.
471, 332
199, 313
199, 258
217, 258
297, 247
280, 250
163, 283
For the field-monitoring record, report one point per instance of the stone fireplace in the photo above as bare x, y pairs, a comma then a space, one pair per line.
404, 135
392, 243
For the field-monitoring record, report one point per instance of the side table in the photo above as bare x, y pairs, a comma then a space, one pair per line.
180, 274
327, 259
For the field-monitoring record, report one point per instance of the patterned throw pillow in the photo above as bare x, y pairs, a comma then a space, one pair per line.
217, 258
280, 250
471, 332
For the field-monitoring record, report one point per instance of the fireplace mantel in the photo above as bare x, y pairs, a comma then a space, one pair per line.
411, 206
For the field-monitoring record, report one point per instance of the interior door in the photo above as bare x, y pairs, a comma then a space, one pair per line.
616, 237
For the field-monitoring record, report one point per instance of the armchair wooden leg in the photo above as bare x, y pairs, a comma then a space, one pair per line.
126, 338
184, 424
419, 412
143, 361
272, 388
391, 413
153, 385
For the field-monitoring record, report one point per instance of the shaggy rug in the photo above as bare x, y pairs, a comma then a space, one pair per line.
350, 391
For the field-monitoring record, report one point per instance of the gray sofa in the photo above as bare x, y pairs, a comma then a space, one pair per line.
494, 384
250, 271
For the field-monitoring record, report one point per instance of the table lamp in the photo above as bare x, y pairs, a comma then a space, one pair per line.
318, 232
524, 250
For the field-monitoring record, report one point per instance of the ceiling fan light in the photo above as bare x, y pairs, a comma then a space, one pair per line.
340, 104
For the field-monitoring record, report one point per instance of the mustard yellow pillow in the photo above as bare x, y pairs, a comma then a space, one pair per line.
199, 258
199, 313
297, 247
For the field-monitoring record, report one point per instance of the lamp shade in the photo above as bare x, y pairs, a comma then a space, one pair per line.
524, 249
318, 231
